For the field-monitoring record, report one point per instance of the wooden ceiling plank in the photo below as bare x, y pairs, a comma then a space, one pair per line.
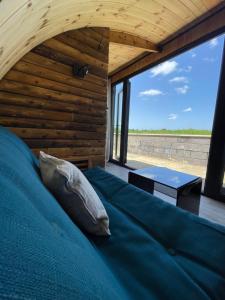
120, 55
178, 8
38, 21
123, 38
197, 7
8, 11
211, 25
204, 3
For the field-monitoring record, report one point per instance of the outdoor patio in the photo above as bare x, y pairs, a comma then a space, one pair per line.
137, 161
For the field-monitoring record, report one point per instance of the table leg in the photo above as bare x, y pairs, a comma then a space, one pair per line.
188, 198
143, 183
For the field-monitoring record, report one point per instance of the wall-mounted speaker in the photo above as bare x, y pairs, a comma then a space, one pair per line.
80, 70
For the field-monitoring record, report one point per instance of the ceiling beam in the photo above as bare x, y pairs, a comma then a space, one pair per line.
207, 28
127, 39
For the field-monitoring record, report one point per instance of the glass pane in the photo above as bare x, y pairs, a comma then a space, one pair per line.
118, 105
171, 111
165, 176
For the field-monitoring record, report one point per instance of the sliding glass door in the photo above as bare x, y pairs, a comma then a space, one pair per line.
119, 121
173, 116
172, 108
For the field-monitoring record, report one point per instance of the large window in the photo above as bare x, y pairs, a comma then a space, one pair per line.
172, 108
171, 114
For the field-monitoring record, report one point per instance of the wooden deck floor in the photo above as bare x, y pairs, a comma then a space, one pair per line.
209, 209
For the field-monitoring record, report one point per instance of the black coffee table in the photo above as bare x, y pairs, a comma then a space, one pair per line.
187, 187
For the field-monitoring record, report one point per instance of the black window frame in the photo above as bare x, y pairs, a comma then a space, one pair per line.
216, 160
124, 126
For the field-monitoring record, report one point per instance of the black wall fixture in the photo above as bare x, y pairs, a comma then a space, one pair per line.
80, 70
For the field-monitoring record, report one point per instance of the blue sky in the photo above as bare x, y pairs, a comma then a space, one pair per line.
180, 93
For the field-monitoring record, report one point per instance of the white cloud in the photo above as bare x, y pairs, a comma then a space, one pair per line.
193, 55
172, 116
151, 92
164, 68
182, 90
179, 79
188, 109
209, 59
186, 69
213, 42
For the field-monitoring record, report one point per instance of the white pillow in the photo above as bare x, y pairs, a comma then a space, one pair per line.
75, 194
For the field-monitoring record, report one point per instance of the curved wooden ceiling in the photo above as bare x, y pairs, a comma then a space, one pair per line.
26, 23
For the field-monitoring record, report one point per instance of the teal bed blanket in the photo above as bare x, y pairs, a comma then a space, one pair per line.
156, 251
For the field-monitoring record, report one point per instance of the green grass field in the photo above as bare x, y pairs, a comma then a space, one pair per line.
166, 131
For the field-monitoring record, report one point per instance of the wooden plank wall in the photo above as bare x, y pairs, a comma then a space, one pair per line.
43, 103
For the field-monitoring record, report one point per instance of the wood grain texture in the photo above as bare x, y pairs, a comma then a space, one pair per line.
122, 38
202, 30
43, 103
37, 21
120, 54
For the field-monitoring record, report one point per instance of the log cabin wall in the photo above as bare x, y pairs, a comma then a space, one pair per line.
43, 103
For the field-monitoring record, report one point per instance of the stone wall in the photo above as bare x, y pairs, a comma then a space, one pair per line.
185, 148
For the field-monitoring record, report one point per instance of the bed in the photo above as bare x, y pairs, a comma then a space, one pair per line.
155, 251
